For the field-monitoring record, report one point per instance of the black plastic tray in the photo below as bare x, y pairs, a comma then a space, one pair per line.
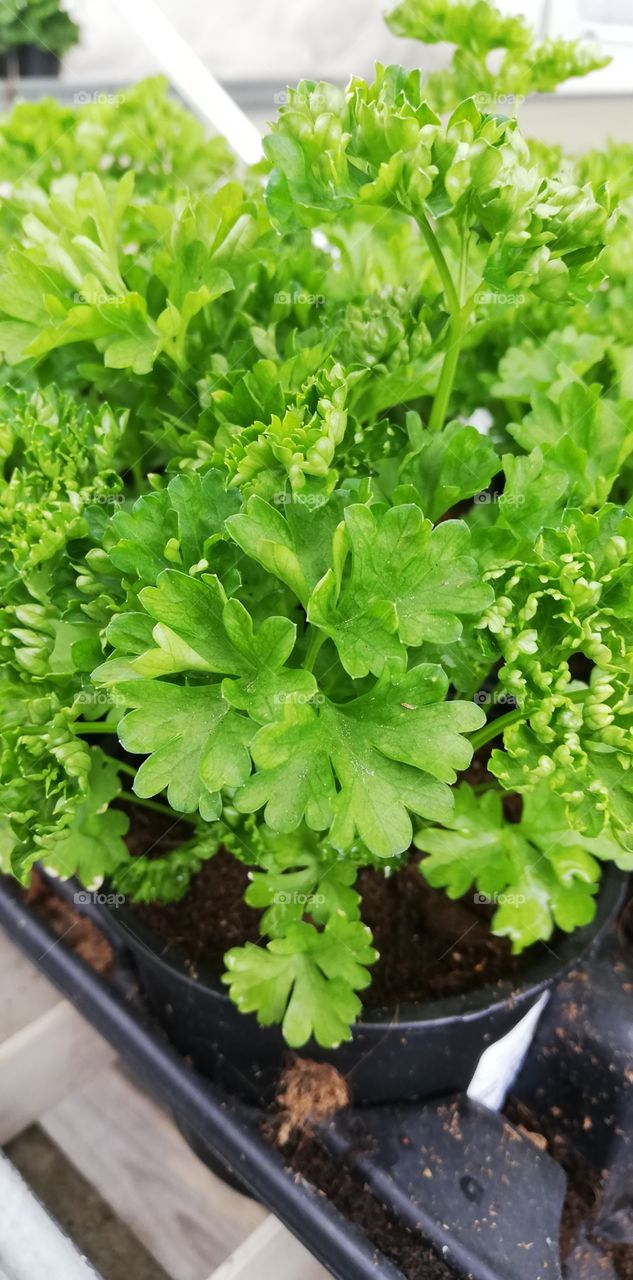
458, 1175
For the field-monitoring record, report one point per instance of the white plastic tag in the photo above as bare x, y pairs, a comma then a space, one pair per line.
500, 1063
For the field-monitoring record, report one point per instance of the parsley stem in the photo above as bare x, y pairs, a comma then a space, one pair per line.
317, 639
456, 331
86, 726
122, 767
493, 728
435, 249
154, 805
459, 312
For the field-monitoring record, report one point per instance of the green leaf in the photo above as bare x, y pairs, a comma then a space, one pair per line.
183, 522
372, 143
195, 743
539, 873
479, 26
298, 877
297, 449
534, 366
306, 980
448, 466
391, 750
167, 878
191, 634
408, 583
584, 436
292, 541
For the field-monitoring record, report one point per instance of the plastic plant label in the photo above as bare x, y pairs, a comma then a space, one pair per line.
500, 1063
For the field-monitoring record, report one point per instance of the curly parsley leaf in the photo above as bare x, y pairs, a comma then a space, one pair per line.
91, 845
167, 878
584, 436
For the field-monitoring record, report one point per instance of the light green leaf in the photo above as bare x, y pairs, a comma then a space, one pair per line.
392, 751
195, 743
407, 583
306, 980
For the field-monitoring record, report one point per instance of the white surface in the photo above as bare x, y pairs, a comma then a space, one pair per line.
134, 1156
255, 40
501, 1062
46, 1047
270, 1253
24, 993
188, 73
43, 1062
31, 1245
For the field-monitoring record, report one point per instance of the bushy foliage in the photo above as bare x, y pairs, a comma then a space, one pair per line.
260, 550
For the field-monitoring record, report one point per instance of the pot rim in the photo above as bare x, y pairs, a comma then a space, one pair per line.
466, 1006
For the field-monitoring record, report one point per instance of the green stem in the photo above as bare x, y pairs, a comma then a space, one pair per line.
154, 805
317, 639
493, 728
85, 726
456, 332
122, 767
139, 479
459, 311
435, 249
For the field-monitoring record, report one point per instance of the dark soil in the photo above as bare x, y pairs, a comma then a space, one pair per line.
429, 947
76, 931
408, 1250
581, 1198
153, 835
211, 917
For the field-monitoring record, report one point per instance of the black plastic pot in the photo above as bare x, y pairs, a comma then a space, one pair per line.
28, 60
489, 1204
34, 61
414, 1051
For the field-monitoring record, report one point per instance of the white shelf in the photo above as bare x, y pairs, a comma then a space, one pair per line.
57, 1071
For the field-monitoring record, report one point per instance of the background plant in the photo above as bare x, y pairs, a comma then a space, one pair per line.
43, 23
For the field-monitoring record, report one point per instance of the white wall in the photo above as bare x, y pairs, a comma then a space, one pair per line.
255, 39
280, 41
